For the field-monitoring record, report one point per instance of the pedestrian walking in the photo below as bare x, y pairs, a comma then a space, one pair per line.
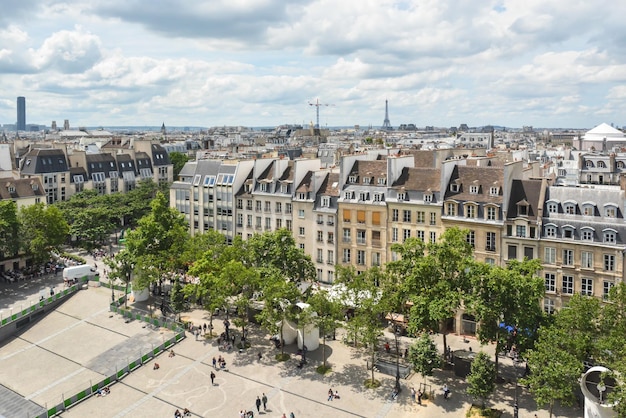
331, 394
258, 404
419, 396
292, 415
264, 400
212, 378
413, 394
214, 363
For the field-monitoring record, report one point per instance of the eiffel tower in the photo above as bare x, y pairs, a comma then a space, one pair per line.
386, 124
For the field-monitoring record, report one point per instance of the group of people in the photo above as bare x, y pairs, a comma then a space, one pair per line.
417, 395
219, 362
103, 391
186, 413
260, 401
332, 395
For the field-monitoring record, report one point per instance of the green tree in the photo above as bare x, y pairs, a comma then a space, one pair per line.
435, 279
178, 160
177, 297
157, 243
481, 380
121, 268
360, 292
506, 295
9, 228
279, 297
554, 370
43, 230
329, 313
278, 250
423, 355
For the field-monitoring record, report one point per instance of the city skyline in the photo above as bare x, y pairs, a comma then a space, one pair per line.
261, 62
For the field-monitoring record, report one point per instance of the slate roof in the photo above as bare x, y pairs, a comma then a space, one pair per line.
419, 179
524, 191
41, 161
21, 188
483, 177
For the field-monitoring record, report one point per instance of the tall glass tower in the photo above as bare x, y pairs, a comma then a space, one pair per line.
21, 113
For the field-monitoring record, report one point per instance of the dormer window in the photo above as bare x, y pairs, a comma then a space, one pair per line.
454, 187
568, 232
364, 196
620, 164
196, 179
609, 236
35, 186
586, 234
264, 187
610, 211
589, 164
11, 188
570, 208
352, 179
283, 188
325, 201
379, 197
522, 208
367, 180
473, 189
428, 198
347, 195
601, 164
494, 191
402, 196
550, 231
382, 181
301, 196
588, 210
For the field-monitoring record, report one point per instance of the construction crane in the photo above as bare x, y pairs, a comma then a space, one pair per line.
317, 105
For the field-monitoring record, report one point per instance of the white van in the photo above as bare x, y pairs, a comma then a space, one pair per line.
79, 273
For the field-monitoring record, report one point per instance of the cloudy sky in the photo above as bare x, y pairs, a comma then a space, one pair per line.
546, 63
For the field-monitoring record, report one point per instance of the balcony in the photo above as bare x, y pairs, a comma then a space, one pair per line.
347, 240
331, 262
320, 260
490, 248
376, 243
330, 223
258, 227
239, 225
330, 241
249, 207
320, 222
361, 241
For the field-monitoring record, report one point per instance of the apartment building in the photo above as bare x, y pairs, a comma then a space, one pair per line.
325, 213
583, 239
51, 167
362, 212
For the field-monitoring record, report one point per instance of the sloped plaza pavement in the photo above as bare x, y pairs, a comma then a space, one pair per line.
82, 341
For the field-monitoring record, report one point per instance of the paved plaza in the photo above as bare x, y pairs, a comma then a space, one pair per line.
81, 342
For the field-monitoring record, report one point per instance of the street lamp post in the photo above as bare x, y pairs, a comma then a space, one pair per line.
515, 405
395, 333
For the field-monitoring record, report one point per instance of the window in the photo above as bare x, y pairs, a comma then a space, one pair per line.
428, 198
320, 219
588, 210
361, 236
586, 288
394, 234
375, 259
279, 223
606, 289
553, 207
473, 189
589, 164
394, 215
451, 209
347, 195
301, 246
287, 208
433, 237
288, 224
548, 306
320, 236
454, 187
570, 209
331, 275
320, 257
520, 231
301, 230
402, 196
549, 255
360, 257
360, 216
406, 234
550, 282
268, 206
529, 253
610, 211
320, 274
568, 285
550, 231
568, 257
586, 258
490, 241
490, 261
471, 238
331, 237
512, 252
325, 201
364, 196
609, 236
330, 259
379, 197
586, 234
493, 191
470, 211
258, 204
491, 213
421, 217
382, 181
420, 235
568, 232
352, 179
279, 207
406, 216
346, 235
601, 164
301, 213
609, 262
367, 180
346, 255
